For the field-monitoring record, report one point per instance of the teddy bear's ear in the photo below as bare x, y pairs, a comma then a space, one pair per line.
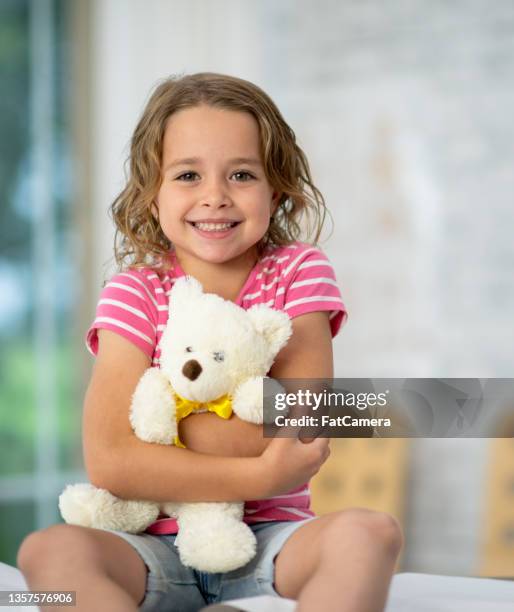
274, 325
185, 289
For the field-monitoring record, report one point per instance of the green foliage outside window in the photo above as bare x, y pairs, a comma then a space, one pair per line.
18, 270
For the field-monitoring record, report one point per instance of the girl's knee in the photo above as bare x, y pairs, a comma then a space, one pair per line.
378, 527
55, 541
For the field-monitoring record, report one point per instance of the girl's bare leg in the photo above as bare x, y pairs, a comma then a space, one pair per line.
104, 570
340, 562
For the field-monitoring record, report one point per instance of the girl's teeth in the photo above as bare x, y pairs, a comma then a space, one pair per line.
213, 227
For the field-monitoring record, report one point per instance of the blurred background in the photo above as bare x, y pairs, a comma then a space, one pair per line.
405, 112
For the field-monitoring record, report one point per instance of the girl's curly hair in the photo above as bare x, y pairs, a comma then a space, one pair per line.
301, 209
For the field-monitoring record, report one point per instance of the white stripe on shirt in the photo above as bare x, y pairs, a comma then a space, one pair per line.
128, 308
126, 327
313, 298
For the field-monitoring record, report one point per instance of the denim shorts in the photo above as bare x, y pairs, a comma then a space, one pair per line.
174, 587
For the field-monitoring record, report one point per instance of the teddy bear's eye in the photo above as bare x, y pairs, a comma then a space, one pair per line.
219, 355
189, 349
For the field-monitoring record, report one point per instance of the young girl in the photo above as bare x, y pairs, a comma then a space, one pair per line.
218, 189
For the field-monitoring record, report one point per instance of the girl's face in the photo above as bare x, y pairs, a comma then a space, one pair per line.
215, 201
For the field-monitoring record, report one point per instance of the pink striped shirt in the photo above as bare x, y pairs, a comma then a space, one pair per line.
297, 279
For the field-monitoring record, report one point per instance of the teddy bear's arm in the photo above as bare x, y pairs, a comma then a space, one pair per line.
247, 400
152, 412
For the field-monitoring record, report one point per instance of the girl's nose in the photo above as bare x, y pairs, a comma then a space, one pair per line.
216, 195
215, 203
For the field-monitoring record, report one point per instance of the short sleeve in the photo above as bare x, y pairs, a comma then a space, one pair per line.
311, 286
127, 306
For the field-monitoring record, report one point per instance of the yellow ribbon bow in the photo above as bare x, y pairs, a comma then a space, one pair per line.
184, 407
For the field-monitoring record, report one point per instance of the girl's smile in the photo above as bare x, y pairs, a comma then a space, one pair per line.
213, 227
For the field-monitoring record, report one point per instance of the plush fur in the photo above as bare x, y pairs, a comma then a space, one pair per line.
210, 348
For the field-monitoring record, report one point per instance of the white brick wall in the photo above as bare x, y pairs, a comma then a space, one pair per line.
404, 109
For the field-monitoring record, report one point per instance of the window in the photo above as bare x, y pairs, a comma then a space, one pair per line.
39, 414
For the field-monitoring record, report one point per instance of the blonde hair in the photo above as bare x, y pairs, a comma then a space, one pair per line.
139, 239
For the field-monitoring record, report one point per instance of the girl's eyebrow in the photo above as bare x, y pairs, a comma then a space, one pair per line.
186, 161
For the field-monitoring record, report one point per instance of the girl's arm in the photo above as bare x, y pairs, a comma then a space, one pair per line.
308, 354
131, 469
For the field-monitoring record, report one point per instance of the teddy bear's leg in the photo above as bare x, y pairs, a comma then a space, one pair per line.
212, 536
152, 412
88, 506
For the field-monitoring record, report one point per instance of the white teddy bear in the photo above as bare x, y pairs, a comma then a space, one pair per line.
214, 356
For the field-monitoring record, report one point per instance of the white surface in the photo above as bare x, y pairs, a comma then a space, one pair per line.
265, 603
12, 580
421, 593
409, 593
429, 593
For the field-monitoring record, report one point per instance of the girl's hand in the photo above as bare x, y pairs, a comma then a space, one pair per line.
288, 463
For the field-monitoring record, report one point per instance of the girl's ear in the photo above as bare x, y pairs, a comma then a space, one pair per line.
275, 199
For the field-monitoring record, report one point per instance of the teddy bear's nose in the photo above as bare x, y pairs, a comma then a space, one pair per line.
192, 369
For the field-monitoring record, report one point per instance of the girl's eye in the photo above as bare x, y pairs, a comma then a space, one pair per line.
247, 176
219, 355
186, 177
189, 349
242, 177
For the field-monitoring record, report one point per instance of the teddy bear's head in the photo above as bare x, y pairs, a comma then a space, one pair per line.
211, 345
